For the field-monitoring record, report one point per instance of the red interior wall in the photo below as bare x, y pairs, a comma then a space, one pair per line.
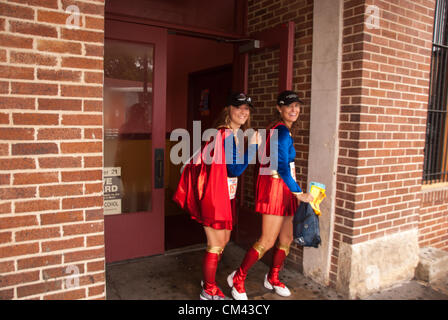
186, 55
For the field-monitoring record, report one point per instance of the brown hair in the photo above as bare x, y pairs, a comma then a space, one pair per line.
276, 118
223, 120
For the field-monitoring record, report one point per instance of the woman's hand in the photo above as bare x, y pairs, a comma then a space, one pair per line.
305, 197
255, 138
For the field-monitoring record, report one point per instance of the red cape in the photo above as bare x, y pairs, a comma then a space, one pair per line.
203, 189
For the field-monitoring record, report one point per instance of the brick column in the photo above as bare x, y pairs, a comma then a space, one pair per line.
384, 96
51, 198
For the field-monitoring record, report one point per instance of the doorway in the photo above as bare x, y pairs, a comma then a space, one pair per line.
199, 79
148, 73
207, 94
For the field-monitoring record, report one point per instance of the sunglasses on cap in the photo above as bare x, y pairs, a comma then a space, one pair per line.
238, 99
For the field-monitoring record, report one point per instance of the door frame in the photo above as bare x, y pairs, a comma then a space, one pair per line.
140, 234
282, 37
241, 8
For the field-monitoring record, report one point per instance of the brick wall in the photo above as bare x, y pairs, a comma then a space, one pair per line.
385, 81
263, 80
51, 221
433, 222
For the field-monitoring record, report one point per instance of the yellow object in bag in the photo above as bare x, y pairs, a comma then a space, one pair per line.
317, 190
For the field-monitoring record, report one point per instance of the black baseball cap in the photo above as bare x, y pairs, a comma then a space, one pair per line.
287, 97
237, 99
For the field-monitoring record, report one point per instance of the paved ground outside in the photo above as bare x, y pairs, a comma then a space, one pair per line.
177, 276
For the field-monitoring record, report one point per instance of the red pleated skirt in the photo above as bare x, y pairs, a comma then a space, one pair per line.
274, 197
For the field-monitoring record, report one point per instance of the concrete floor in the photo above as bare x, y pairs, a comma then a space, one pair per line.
177, 276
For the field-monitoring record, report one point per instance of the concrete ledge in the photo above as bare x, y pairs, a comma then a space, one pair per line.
372, 266
433, 265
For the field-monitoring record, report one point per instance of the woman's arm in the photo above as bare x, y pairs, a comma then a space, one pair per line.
236, 168
279, 149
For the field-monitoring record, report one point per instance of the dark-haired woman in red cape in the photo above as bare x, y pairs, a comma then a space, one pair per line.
207, 186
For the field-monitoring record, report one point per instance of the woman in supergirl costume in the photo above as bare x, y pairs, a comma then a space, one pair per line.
207, 191
277, 198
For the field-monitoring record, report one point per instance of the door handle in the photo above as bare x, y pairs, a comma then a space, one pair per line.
159, 168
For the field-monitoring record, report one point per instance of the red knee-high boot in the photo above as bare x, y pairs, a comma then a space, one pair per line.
209, 266
254, 254
278, 257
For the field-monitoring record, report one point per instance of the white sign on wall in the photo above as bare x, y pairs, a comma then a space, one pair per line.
112, 190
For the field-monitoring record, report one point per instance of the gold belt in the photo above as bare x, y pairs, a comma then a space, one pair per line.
275, 174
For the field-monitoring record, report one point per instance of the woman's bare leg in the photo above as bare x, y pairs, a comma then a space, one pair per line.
270, 230
216, 242
217, 238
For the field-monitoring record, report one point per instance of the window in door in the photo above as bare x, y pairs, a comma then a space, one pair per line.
128, 75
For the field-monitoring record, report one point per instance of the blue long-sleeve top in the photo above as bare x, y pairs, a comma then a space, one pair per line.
239, 163
283, 152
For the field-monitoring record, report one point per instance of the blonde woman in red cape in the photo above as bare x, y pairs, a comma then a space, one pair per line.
277, 198
207, 191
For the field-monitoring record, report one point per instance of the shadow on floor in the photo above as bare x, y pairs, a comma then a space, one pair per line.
177, 274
